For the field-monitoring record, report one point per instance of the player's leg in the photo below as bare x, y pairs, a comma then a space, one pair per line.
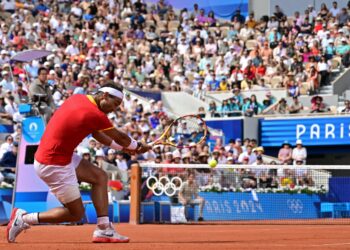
71, 212
63, 183
104, 233
87, 172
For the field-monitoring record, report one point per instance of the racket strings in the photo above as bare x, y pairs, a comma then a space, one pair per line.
188, 129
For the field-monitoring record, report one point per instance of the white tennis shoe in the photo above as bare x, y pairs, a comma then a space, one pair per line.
108, 235
16, 224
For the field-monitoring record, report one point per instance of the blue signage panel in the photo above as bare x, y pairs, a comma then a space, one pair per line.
265, 206
232, 128
5, 205
33, 129
312, 131
242, 206
222, 9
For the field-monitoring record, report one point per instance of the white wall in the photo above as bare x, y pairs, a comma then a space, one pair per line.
181, 103
260, 7
289, 7
267, 7
341, 3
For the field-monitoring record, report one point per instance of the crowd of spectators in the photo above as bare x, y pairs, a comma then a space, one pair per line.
158, 48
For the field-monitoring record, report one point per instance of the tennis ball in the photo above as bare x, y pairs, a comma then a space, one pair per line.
213, 163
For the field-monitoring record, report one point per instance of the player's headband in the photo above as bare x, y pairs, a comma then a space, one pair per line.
112, 91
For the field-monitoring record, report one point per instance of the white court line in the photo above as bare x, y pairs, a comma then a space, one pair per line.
331, 244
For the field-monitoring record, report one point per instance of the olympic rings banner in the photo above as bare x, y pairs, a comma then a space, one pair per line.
164, 185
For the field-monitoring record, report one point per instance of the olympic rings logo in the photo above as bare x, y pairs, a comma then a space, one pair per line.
164, 185
295, 205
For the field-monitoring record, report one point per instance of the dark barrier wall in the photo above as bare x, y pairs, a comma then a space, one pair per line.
222, 9
232, 128
155, 95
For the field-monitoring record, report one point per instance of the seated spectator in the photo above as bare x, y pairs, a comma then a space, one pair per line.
299, 152
41, 93
282, 107
234, 107
238, 17
249, 154
296, 106
323, 70
6, 118
313, 81
188, 195
9, 160
252, 107
211, 19
346, 109
317, 105
343, 48
303, 176
213, 110
248, 178
225, 108
285, 153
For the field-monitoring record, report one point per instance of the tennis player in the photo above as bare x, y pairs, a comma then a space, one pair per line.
61, 169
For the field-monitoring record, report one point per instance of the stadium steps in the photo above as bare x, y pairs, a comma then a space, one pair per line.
326, 90
182, 103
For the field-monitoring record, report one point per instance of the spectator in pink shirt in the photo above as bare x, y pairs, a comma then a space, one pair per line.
285, 153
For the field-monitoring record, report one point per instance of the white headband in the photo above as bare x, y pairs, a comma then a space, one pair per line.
112, 91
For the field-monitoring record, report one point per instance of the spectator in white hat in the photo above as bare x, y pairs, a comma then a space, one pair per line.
6, 83
3, 57
299, 152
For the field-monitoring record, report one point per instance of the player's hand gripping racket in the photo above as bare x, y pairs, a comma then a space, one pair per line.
183, 131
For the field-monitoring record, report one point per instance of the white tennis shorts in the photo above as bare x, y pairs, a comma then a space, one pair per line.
62, 180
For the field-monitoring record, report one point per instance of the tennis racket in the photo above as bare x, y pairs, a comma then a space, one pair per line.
183, 131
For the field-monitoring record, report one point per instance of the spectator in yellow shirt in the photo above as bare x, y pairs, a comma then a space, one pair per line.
224, 84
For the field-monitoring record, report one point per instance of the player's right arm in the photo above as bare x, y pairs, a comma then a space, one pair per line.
118, 140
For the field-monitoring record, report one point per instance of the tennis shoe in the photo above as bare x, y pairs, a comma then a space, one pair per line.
108, 235
16, 224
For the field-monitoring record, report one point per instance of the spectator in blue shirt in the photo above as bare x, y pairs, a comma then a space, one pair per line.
40, 8
137, 19
213, 84
240, 18
238, 96
154, 119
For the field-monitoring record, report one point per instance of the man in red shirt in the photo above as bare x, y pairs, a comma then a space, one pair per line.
61, 169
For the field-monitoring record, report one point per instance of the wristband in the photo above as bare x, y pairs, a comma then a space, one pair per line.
116, 146
133, 145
